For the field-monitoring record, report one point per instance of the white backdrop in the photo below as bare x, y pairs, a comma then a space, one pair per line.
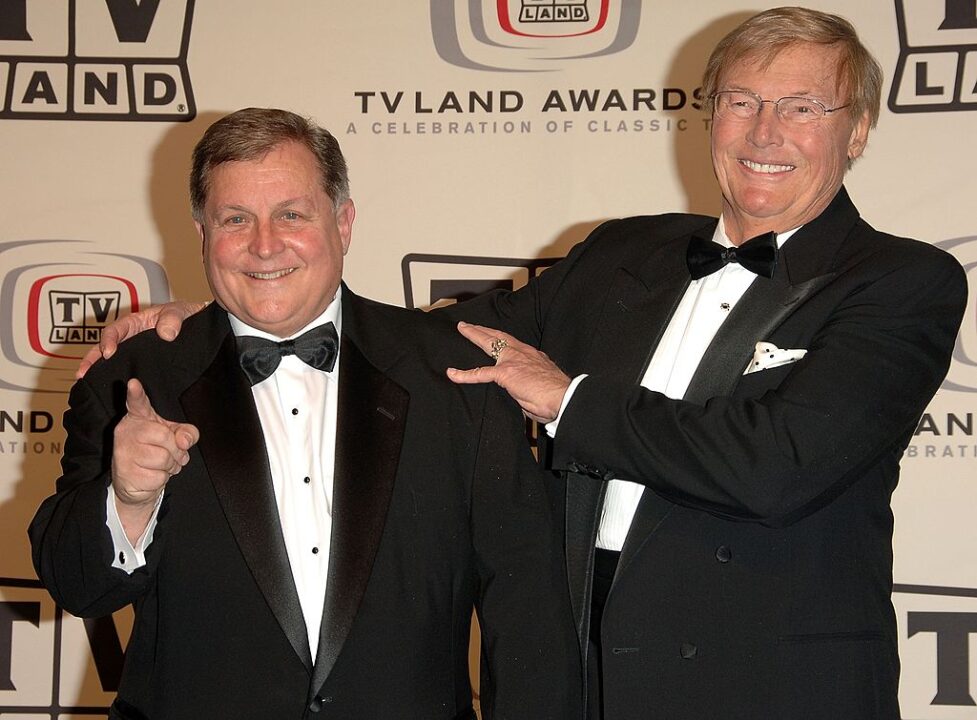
477, 140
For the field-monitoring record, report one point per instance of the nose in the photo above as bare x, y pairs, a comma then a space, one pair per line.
765, 128
265, 241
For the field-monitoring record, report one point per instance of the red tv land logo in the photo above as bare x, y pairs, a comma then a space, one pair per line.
530, 35
63, 310
52, 311
95, 60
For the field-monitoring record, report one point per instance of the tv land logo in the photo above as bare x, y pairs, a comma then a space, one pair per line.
52, 664
53, 310
95, 60
937, 66
74, 317
530, 35
962, 376
937, 630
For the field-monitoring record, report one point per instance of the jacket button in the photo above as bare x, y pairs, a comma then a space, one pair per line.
317, 703
688, 651
724, 554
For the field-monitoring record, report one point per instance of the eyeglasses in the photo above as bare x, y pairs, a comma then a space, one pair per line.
742, 105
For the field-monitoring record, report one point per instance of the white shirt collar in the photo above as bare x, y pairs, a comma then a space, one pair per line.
719, 236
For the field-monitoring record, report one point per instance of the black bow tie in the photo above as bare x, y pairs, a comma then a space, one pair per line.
259, 357
758, 255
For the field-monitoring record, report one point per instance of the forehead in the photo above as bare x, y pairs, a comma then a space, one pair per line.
799, 69
286, 168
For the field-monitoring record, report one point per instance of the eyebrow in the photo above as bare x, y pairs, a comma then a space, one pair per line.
797, 93
278, 206
293, 201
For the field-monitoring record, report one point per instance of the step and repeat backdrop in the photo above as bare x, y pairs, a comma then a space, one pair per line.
485, 138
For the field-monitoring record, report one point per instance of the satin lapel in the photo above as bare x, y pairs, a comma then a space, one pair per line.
584, 496
651, 512
758, 313
372, 420
232, 446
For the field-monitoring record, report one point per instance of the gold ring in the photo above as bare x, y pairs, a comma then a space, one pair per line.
498, 345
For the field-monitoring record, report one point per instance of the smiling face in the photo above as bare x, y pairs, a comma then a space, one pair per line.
273, 245
774, 175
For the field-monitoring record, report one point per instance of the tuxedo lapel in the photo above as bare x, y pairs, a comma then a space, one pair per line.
583, 501
371, 422
221, 405
758, 313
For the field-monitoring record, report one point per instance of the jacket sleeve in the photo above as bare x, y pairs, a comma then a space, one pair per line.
71, 544
530, 663
779, 452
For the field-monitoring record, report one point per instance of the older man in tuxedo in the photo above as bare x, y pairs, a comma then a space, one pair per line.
303, 511
742, 391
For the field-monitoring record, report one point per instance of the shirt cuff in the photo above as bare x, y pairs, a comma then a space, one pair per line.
552, 425
125, 555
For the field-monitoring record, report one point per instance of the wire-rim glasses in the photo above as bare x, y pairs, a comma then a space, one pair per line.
743, 105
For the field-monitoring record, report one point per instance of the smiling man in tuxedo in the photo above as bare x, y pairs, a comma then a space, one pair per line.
302, 510
742, 391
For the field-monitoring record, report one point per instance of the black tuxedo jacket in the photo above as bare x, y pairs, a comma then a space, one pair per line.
438, 507
755, 581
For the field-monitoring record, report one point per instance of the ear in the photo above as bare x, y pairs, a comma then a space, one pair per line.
200, 234
345, 214
859, 138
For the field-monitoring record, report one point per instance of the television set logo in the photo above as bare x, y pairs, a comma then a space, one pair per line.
962, 375
52, 311
937, 66
530, 35
95, 60
52, 664
73, 314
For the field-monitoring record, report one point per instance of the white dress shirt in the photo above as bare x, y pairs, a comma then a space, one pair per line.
704, 307
297, 407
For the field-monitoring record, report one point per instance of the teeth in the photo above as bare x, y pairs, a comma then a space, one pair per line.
764, 168
270, 275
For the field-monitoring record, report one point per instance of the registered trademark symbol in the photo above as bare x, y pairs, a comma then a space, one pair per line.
181, 107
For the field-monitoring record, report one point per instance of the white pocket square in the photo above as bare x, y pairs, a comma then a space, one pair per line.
767, 355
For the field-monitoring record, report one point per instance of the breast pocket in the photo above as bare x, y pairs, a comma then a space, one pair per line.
756, 384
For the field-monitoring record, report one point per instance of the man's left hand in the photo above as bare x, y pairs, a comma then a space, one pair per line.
528, 375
